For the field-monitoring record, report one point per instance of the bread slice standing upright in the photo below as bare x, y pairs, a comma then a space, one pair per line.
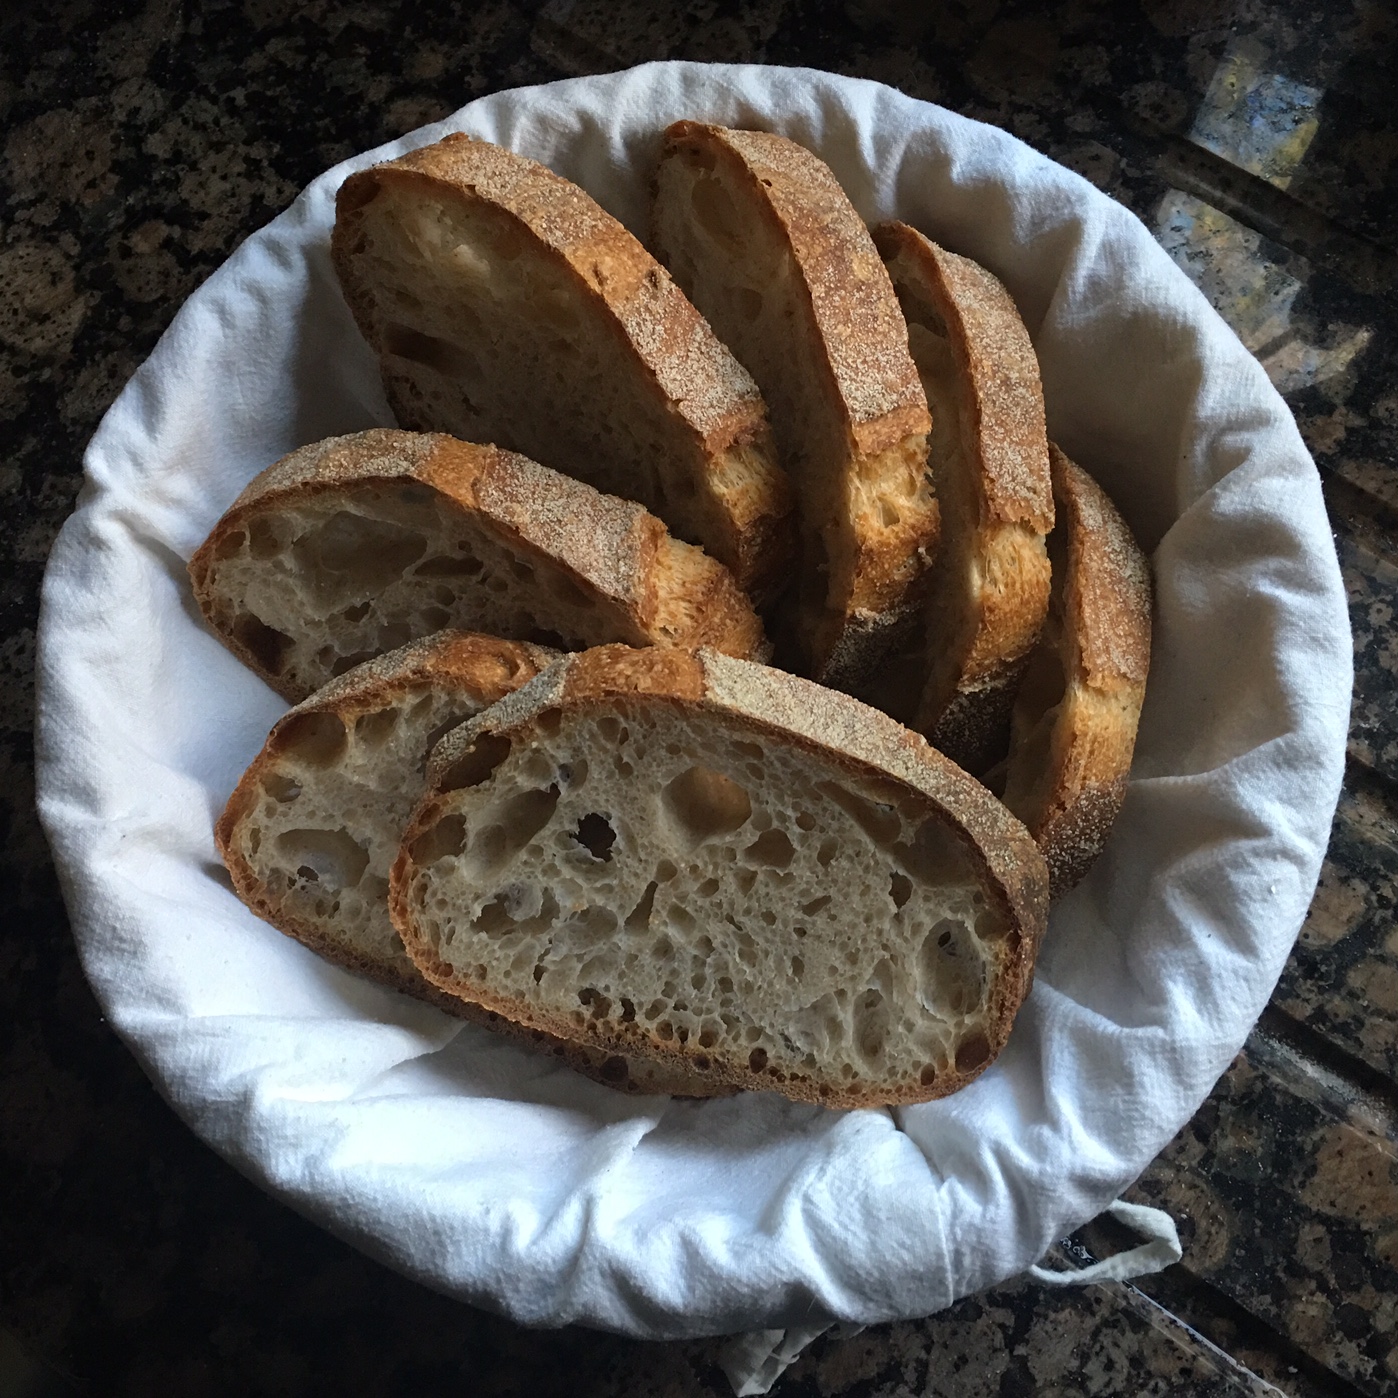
507, 306
989, 588
681, 856
311, 831
1074, 724
759, 233
355, 545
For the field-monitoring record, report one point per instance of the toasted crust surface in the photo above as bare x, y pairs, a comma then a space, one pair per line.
493, 237
310, 831
989, 590
1074, 724
484, 867
352, 545
759, 231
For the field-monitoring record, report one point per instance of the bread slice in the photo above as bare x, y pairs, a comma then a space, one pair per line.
989, 589
355, 545
672, 854
507, 306
311, 831
759, 233
1074, 724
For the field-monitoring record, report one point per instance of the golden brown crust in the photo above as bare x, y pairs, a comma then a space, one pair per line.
1068, 766
773, 705
870, 382
669, 342
1004, 391
617, 553
851, 298
974, 673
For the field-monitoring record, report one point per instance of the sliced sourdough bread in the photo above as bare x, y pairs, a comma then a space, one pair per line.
989, 589
1074, 723
675, 855
507, 306
759, 233
355, 545
311, 831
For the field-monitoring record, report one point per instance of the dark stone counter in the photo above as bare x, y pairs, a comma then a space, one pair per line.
143, 140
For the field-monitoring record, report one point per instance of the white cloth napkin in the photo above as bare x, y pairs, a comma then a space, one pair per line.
493, 1174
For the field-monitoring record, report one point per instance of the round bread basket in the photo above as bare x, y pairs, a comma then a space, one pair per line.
493, 1174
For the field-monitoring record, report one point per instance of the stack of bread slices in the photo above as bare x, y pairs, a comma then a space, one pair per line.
716, 674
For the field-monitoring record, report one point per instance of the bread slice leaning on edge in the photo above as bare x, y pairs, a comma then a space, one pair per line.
759, 233
355, 545
672, 854
989, 588
311, 831
506, 305
1074, 724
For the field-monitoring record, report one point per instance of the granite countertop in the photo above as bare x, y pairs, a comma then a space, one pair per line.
1257, 139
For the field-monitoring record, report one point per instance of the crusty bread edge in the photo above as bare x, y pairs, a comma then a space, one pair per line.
1105, 650
615, 556
887, 574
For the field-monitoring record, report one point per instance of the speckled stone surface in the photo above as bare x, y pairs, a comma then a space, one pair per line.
141, 141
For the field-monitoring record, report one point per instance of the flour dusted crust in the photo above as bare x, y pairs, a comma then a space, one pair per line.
492, 288
759, 232
989, 589
352, 546
1074, 723
312, 828
835, 857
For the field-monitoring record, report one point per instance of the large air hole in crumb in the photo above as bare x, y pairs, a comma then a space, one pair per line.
595, 834
816, 905
704, 803
281, 788
331, 859
315, 739
900, 888
269, 647
972, 1053
353, 553
446, 839
477, 764
772, 848
871, 1025
639, 917
950, 971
